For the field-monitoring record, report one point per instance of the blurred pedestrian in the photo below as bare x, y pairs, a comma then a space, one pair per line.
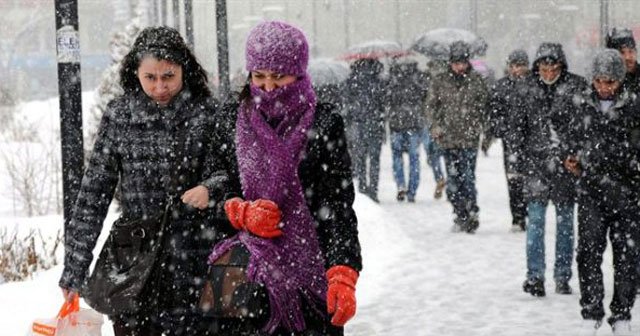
506, 105
456, 113
622, 40
365, 110
406, 94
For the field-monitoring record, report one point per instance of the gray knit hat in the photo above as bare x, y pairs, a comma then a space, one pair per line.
518, 56
608, 63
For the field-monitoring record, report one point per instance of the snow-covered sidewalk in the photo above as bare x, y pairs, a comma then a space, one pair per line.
419, 278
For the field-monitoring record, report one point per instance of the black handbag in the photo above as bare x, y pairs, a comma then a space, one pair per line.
125, 264
227, 293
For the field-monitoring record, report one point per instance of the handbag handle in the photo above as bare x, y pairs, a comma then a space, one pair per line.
69, 307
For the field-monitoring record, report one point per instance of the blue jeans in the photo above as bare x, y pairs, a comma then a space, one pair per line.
434, 154
401, 142
535, 241
461, 181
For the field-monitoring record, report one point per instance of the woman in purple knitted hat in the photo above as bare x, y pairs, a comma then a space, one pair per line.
284, 157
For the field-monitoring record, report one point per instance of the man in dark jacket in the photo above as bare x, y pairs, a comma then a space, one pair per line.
406, 98
456, 114
545, 177
602, 148
505, 106
622, 40
365, 114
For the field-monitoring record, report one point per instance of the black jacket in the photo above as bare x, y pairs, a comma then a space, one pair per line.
607, 144
632, 81
406, 95
325, 174
506, 120
151, 153
543, 119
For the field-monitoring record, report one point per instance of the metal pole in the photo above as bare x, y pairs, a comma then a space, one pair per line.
70, 90
154, 12
222, 35
314, 29
163, 12
175, 6
474, 16
347, 41
397, 20
604, 21
188, 22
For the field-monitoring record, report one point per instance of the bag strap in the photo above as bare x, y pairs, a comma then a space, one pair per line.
69, 307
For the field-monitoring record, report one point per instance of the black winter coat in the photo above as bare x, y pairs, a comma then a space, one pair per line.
543, 118
150, 152
365, 104
632, 81
506, 120
406, 96
325, 175
607, 145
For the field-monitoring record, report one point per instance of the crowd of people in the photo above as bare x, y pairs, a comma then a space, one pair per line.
272, 169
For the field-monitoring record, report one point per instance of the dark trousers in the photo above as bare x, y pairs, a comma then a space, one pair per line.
515, 185
366, 161
596, 217
461, 181
123, 328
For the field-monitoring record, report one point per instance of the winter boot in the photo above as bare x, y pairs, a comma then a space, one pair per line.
440, 184
401, 195
589, 327
518, 226
411, 198
472, 223
458, 225
562, 287
534, 287
622, 328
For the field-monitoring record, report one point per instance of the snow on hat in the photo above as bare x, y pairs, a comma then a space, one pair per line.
277, 46
518, 56
608, 63
619, 38
459, 52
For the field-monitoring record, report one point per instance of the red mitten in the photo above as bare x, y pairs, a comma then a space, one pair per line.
235, 209
262, 218
341, 294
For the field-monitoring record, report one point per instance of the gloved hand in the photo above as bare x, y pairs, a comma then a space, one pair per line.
260, 217
341, 294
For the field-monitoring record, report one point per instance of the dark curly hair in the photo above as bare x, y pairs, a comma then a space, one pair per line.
163, 43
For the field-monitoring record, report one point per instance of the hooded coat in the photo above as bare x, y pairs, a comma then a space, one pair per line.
365, 100
545, 177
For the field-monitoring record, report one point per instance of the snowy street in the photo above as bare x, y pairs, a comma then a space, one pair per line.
418, 278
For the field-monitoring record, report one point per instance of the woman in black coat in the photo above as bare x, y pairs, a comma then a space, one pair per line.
151, 142
289, 191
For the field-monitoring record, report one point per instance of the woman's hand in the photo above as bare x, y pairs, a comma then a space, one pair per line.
572, 165
68, 294
197, 197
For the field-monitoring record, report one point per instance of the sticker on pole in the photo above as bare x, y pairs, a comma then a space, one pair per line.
68, 44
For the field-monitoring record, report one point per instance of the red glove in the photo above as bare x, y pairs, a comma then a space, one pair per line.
260, 217
341, 294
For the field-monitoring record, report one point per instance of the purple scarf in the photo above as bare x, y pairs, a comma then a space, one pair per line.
271, 136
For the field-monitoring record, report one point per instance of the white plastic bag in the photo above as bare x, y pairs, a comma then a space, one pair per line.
71, 321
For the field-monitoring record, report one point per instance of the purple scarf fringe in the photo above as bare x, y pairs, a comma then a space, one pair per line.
290, 266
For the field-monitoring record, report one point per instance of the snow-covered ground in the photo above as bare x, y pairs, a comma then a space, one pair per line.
418, 277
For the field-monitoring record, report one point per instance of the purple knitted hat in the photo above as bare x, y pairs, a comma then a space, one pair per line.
279, 47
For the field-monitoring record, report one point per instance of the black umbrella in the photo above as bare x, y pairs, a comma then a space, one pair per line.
435, 43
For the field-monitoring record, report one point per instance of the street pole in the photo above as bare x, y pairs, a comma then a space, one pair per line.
163, 12
314, 29
604, 21
188, 23
176, 14
222, 35
347, 40
154, 12
70, 90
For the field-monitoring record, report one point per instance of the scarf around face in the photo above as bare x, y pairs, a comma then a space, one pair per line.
271, 135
